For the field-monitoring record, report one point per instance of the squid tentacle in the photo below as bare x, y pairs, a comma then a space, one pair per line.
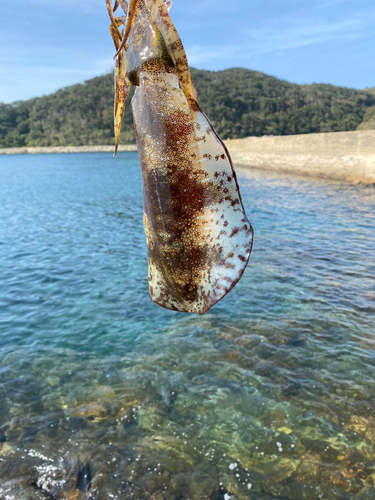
114, 19
124, 5
120, 21
175, 47
122, 88
110, 10
132, 10
121, 82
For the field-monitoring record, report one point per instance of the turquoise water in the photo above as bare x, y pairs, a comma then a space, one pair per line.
104, 395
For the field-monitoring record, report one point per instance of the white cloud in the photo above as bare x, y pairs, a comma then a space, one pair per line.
283, 34
299, 34
329, 3
95, 7
39, 73
68, 3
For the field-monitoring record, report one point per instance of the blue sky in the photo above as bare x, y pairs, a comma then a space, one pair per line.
49, 44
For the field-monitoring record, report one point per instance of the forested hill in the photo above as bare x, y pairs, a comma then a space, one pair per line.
239, 103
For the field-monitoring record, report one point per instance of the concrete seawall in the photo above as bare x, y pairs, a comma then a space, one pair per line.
345, 156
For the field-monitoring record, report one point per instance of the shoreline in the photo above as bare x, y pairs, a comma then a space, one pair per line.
342, 156
66, 149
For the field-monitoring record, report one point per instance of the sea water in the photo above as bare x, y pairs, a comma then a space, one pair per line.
103, 394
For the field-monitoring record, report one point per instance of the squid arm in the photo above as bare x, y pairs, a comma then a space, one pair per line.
122, 85
132, 10
174, 45
175, 48
124, 5
172, 40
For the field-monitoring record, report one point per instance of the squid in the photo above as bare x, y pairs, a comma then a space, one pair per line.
198, 237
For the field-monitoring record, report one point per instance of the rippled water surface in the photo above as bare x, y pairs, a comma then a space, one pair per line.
104, 395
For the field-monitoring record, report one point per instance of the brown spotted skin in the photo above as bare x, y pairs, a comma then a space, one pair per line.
199, 239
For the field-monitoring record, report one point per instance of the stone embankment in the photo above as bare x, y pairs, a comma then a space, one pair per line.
344, 156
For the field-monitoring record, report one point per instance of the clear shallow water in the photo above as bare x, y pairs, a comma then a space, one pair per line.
104, 395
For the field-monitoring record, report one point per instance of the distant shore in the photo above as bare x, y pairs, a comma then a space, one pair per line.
344, 156
68, 149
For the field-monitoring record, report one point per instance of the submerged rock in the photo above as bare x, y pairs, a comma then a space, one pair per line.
367, 494
19, 480
149, 417
309, 469
296, 342
90, 411
194, 485
84, 478
290, 389
30, 433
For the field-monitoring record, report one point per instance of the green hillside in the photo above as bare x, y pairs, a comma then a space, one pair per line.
239, 103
